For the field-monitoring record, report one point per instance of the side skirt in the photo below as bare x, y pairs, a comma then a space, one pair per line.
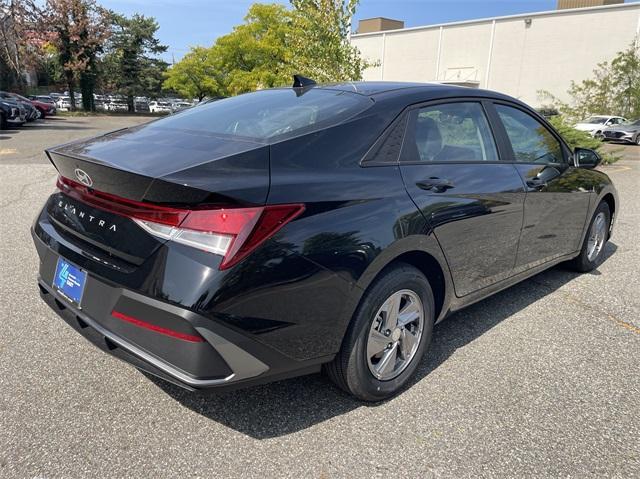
472, 298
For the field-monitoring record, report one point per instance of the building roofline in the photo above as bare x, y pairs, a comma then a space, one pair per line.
565, 11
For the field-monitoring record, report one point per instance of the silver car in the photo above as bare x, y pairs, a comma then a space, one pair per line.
628, 132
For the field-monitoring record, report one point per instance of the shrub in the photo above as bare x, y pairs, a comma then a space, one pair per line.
582, 139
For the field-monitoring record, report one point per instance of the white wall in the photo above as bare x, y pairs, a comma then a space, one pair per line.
554, 49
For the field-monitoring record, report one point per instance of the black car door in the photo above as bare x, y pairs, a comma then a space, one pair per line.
470, 199
558, 193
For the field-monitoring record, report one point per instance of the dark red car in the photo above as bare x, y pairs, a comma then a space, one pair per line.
44, 107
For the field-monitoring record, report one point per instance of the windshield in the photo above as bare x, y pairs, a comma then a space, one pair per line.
273, 113
599, 120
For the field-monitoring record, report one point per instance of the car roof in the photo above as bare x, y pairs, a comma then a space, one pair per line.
427, 91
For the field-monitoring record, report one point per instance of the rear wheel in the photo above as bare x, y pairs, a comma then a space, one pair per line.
638, 139
40, 114
387, 337
592, 251
3, 121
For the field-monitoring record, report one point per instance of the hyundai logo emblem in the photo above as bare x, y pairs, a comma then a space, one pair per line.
83, 177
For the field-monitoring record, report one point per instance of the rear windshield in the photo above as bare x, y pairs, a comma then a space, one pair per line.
270, 114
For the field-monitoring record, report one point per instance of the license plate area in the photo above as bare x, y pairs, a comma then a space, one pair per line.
69, 281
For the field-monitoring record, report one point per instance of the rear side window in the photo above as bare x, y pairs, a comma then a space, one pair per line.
530, 139
270, 114
448, 133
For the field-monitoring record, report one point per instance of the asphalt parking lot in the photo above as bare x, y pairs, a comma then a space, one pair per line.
540, 380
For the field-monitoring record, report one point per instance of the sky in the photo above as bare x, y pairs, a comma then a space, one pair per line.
185, 23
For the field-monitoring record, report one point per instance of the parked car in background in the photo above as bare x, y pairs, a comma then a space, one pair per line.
160, 107
44, 108
141, 106
63, 103
43, 99
596, 123
628, 132
11, 113
117, 105
279, 232
30, 111
180, 105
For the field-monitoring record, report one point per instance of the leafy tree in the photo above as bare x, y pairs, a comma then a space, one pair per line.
129, 65
320, 46
272, 44
625, 76
18, 47
613, 89
195, 75
80, 28
256, 54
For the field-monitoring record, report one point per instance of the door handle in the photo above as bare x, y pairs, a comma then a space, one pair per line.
437, 185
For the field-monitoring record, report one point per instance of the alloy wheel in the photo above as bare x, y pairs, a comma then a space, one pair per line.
597, 236
395, 334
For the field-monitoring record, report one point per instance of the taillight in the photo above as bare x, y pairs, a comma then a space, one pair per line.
230, 232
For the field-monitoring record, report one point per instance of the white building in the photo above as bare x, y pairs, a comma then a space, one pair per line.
518, 55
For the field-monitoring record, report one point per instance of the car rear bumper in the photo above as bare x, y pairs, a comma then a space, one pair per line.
222, 359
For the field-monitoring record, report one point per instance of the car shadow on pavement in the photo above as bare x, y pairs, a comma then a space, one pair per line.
288, 406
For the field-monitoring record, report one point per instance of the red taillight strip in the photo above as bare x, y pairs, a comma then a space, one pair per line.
122, 206
158, 329
247, 226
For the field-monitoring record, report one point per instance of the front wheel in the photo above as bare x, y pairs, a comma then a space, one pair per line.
592, 251
3, 122
387, 336
638, 139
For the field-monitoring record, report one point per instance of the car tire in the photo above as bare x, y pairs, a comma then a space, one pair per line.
353, 367
638, 139
592, 251
41, 115
3, 122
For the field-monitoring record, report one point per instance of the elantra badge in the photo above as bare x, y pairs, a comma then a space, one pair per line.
83, 177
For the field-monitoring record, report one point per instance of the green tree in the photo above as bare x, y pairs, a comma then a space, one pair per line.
625, 75
272, 44
256, 54
130, 67
614, 89
195, 75
320, 46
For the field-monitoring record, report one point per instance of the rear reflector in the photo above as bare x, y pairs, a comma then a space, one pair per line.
158, 329
230, 232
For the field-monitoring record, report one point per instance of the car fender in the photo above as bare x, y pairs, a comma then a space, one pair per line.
602, 186
417, 243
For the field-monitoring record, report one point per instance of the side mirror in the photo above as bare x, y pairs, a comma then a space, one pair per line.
586, 158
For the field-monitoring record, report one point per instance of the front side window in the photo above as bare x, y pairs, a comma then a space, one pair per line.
530, 139
448, 133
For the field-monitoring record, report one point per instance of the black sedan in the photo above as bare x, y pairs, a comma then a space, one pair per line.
318, 227
626, 132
